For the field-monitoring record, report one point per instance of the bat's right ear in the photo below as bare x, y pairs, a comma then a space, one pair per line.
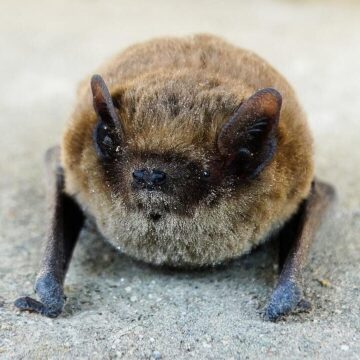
103, 104
108, 134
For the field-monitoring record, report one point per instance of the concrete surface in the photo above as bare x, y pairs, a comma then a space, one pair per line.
119, 308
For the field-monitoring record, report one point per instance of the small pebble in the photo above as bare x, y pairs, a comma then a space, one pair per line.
324, 282
156, 355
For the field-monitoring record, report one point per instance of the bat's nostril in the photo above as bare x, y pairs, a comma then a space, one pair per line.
139, 175
157, 177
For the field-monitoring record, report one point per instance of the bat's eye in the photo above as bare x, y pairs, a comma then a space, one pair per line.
104, 138
205, 174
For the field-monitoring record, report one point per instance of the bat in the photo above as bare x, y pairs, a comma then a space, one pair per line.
186, 152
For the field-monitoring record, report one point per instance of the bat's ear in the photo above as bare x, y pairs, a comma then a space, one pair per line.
247, 141
103, 104
109, 132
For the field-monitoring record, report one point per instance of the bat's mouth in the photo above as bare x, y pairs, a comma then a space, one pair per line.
154, 213
155, 216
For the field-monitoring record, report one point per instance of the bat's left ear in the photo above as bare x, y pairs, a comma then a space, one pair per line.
247, 141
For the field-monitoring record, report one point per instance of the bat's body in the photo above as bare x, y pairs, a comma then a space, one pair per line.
193, 153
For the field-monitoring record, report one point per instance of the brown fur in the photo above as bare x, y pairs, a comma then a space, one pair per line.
173, 96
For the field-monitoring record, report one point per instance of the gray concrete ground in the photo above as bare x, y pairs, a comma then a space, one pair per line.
119, 308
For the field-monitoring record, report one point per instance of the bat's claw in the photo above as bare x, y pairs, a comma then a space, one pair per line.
28, 304
51, 295
286, 298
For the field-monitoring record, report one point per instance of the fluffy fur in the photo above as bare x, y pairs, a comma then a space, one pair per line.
173, 96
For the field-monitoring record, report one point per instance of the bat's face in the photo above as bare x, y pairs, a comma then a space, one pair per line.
158, 182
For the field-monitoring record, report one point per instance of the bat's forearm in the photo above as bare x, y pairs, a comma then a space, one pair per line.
66, 221
288, 294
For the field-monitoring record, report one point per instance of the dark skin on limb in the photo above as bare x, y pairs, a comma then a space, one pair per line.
66, 221
295, 240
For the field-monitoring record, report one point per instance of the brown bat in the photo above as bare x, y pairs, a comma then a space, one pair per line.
185, 152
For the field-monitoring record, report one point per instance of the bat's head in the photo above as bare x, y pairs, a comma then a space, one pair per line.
156, 179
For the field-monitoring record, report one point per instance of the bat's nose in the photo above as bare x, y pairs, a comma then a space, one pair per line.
149, 178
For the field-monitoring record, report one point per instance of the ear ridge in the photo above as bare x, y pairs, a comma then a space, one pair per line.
248, 140
264, 105
103, 104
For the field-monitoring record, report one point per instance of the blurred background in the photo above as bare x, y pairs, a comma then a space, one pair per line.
46, 47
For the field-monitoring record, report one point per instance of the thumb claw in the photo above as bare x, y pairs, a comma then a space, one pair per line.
26, 303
